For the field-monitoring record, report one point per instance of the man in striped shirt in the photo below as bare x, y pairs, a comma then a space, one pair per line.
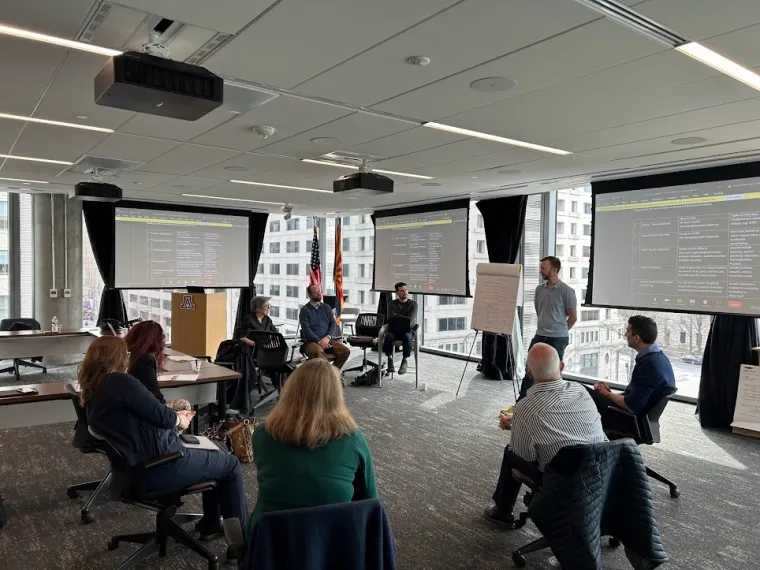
553, 414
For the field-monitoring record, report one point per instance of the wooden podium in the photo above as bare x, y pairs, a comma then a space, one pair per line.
199, 322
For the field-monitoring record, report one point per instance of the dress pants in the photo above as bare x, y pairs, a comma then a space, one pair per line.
406, 343
340, 350
558, 342
508, 488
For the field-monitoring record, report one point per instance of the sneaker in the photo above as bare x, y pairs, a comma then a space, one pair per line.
390, 368
402, 368
494, 515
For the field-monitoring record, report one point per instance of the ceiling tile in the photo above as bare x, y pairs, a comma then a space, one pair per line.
57, 143
187, 158
253, 163
131, 147
700, 19
9, 131
30, 170
406, 142
141, 180
187, 184
297, 40
47, 16
443, 154
174, 129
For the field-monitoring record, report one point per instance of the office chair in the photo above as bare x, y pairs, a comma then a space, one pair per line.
270, 355
300, 345
127, 487
348, 318
415, 352
22, 325
367, 329
644, 429
85, 443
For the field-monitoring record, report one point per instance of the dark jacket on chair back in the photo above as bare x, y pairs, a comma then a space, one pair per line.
131, 419
596, 490
343, 536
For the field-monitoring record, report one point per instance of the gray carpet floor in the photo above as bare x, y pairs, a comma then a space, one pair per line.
436, 460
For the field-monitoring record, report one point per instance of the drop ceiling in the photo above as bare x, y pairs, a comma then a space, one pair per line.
584, 84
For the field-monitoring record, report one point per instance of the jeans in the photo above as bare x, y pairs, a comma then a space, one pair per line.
198, 465
406, 341
558, 342
508, 488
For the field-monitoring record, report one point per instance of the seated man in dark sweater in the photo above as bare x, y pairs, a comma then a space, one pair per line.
652, 376
318, 329
401, 306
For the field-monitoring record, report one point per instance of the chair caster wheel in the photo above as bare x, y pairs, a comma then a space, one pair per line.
72, 494
674, 493
518, 559
87, 518
113, 544
614, 542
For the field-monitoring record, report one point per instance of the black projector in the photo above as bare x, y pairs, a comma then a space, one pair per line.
144, 83
363, 184
97, 192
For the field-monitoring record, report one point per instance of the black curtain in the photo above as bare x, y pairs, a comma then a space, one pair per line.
503, 222
100, 219
729, 345
257, 224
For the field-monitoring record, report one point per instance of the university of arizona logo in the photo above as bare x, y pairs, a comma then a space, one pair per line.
187, 303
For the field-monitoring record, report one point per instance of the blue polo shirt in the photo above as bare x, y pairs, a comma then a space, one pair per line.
651, 379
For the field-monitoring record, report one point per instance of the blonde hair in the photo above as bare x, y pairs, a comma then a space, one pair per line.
106, 354
311, 410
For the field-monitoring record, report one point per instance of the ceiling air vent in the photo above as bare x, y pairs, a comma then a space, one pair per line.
350, 158
103, 166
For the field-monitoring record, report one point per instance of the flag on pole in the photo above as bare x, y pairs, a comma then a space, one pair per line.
315, 269
338, 272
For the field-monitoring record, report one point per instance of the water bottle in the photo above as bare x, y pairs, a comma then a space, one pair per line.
54, 325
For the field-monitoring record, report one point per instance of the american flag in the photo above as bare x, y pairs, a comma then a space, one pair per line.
315, 269
338, 273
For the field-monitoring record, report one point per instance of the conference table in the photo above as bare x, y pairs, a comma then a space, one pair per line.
52, 404
28, 344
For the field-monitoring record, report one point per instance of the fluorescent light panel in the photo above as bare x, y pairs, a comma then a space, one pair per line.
31, 159
54, 123
228, 199
24, 180
494, 138
722, 64
392, 172
279, 186
37, 37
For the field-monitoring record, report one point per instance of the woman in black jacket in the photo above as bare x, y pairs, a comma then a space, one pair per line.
256, 321
134, 422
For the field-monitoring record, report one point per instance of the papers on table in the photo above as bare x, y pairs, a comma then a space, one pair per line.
178, 376
747, 410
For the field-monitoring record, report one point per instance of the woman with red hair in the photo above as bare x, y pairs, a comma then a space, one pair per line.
146, 342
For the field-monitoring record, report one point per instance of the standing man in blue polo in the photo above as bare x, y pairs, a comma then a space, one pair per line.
557, 311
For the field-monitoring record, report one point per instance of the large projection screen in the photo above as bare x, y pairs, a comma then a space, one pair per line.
691, 247
158, 249
425, 247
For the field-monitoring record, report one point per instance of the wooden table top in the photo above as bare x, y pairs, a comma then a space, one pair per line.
209, 373
34, 334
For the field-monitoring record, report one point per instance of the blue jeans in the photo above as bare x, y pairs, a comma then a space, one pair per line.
558, 342
198, 465
406, 342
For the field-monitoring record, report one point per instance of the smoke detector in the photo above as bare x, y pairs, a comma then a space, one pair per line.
287, 209
264, 131
418, 60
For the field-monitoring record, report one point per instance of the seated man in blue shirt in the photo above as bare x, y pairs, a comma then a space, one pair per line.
318, 329
652, 377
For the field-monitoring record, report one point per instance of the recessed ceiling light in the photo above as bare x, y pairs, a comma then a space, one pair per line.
279, 186
236, 169
688, 140
431, 184
722, 64
228, 199
24, 180
493, 84
28, 35
326, 140
510, 171
350, 167
180, 186
81, 117
418, 60
473, 177
54, 123
495, 138
29, 158
136, 182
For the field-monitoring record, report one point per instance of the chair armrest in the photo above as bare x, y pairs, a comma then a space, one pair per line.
162, 460
619, 410
233, 534
206, 358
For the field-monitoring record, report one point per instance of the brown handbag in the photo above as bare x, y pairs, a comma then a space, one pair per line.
238, 435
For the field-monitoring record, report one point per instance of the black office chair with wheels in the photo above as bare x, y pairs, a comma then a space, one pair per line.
644, 429
367, 328
86, 443
128, 487
270, 356
22, 325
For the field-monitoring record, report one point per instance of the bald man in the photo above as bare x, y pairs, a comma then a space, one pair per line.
553, 414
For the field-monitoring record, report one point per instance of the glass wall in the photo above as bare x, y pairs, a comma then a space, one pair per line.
4, 264
26, 256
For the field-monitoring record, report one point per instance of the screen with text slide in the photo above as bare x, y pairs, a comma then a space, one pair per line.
427, 251
694, 248
168, 249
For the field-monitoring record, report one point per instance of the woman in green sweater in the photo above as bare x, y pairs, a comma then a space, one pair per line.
309, 451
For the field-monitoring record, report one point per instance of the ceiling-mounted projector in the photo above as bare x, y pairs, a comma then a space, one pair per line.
144, 83
363, 183
97, 192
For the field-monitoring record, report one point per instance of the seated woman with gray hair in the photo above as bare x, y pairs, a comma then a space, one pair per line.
256, 321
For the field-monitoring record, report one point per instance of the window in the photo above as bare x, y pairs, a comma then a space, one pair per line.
261, 269
143, 300
346, 220
155, 302
682, 337
574, 229
291, 291
291, 314
274, 226
560, 228
274, 290
259, 288
586, 251
572, 273
293, 224
481, 246
168, 322
309, 223
364, 218
573, 251
362, 243
559, 250
480, 221
346, 294
291, 247
589, 360
590, 315
587, 210
307, 249
346, 244
574, 207
133, 298
698, 339
292, 269
274, 247
274, 268
307, 269
274, 311
584, 272
583, 295
586, 229
361, 269
452, 300
346, 270
452, 324
361, 297
167, 304
560, 205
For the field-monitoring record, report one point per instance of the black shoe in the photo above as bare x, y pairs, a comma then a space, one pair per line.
208, 531
494, 515
390, 369
402, 368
